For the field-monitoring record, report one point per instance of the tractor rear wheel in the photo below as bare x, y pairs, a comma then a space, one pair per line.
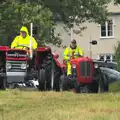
63, 83
94, 86
97, 86
82, 89
103, 84
106, 83
42, 80
52, 73
2, 83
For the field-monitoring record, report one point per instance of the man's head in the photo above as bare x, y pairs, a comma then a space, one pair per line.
73, 44
24, 32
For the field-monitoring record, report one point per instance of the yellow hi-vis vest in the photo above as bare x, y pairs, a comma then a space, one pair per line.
72, 53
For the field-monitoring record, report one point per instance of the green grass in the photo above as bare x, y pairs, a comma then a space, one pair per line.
115, 86
27, 105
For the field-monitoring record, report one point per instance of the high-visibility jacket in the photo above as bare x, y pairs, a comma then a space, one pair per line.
72, 53
19, 40
69, 54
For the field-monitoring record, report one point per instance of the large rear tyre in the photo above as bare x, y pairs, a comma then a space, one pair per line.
94, 86
52, 73
2, 83
63, 83
83, 89
42, 80
106, 83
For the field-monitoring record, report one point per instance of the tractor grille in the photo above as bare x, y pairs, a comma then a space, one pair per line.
16, 54
16, 66
85, 69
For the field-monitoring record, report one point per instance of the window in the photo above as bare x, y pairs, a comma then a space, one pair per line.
107, 29
108, 57
101, 57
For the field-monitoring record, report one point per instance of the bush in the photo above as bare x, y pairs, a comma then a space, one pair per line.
117, 55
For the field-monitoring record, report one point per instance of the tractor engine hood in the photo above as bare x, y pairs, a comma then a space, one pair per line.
16, 54
84, 68
77, 60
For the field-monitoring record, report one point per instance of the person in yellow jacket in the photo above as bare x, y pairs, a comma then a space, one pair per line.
24, 39
71, 52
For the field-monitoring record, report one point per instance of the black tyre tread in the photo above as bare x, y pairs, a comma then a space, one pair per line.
64, 83
57, 79
106, 83
2, 83
42, 80
47, 66
94, 86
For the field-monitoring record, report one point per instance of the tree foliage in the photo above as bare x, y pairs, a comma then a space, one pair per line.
91, 10
117, 55
15, 13
117, 1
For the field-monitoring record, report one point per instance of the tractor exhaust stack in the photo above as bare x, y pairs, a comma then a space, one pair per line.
31, 34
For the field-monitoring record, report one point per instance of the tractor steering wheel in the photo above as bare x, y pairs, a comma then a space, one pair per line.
24, 46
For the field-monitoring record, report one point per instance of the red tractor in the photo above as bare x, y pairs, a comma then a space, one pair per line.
16, 66
86, 77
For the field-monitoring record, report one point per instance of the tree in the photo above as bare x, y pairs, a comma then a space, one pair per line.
14, 13
79, 10
117, 55
117, 2
117, 47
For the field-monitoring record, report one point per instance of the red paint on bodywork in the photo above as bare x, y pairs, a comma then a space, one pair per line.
4, 48
22, 59
82, 79
43, 49
14, 49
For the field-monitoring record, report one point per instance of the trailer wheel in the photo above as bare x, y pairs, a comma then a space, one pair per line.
42, 80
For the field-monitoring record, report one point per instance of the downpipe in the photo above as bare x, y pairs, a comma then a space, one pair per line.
52, 75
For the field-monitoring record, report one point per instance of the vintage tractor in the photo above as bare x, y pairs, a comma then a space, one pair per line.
86, 77
18, 67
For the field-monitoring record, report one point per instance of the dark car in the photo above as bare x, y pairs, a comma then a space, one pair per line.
106, 64
113, 75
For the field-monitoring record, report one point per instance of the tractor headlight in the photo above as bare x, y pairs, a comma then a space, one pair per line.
23, 66
73, 66
8, 66
96, 65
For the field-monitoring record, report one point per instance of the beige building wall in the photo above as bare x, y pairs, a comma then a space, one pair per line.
104, 46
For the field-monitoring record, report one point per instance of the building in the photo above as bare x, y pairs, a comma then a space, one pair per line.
106, 35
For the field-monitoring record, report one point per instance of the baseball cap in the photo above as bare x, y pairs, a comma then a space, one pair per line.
73, 41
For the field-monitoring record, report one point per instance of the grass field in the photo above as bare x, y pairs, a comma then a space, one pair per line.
27, 105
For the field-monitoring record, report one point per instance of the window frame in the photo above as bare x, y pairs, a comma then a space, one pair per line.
113, 30
111, 57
